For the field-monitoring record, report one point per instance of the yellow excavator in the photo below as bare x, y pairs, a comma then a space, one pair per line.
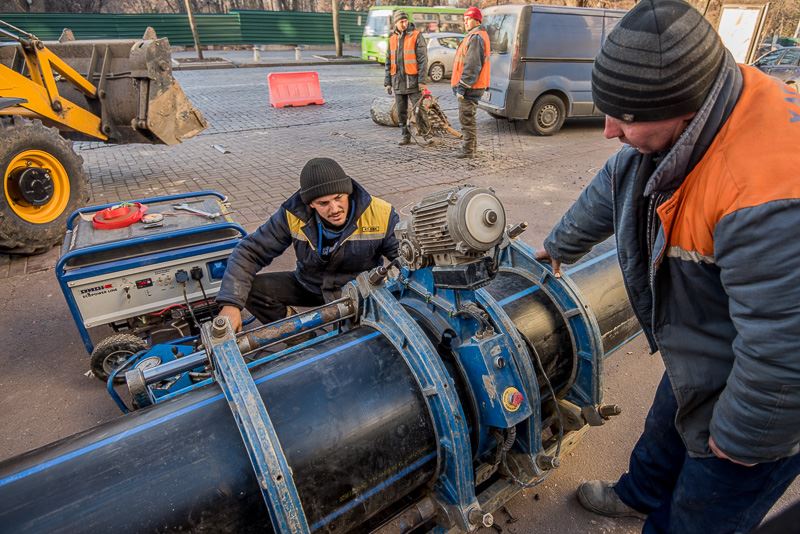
52, 93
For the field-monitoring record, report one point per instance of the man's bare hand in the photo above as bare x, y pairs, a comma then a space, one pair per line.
234, 315
543, 256
719, 454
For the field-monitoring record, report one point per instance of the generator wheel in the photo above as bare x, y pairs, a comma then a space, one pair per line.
112, 352
43, 182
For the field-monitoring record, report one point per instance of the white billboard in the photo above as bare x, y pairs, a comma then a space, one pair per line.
739, 26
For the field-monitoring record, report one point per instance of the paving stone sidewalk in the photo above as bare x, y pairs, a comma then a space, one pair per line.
267, 147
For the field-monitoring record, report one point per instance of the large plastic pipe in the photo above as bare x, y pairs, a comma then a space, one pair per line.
349, 414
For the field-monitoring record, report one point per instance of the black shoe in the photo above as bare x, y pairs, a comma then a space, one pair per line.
465, 154
599, 497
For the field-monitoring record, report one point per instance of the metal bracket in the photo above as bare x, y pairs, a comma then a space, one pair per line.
531, 435
580, 320
272, 471
454, 485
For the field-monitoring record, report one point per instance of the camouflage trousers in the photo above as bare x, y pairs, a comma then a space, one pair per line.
467, 110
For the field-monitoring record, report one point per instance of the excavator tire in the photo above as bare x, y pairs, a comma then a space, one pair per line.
43, 182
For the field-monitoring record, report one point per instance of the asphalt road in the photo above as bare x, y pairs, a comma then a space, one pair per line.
45, 394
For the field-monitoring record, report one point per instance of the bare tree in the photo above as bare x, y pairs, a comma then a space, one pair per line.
337, 38
192, 25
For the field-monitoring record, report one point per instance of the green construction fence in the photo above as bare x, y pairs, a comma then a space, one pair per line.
234, 28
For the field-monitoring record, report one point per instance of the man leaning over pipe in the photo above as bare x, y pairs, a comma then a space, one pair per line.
337, 230
704, 200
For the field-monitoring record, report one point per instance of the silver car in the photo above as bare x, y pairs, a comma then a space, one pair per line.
783, 64
441, 53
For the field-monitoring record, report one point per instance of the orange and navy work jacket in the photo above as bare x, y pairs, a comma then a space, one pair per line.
708, 241
365, 241
471, 67
409, 53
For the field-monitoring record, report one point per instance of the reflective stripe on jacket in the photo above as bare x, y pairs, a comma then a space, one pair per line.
409, 53
708, 250
461, 59
365, 241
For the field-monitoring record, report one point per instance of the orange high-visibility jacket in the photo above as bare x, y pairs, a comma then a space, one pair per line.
409, 53
458, 64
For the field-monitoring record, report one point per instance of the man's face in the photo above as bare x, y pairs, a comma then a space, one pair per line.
401, 25
647, 137
332, 208
470, 23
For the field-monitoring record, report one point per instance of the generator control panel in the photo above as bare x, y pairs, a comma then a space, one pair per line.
148, 289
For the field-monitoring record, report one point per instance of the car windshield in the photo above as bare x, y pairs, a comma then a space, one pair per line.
502, 29
450, 42
791, 57
769, 59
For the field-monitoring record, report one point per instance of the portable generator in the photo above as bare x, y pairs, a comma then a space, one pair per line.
149, 269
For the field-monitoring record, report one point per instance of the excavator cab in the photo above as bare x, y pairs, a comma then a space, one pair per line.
111, 91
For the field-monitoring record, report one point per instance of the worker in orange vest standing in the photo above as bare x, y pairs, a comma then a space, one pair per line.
406, 68
471, 78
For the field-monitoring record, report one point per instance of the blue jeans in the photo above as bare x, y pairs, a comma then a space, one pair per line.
686, 495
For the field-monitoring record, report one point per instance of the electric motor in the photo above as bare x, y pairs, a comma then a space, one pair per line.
452, 227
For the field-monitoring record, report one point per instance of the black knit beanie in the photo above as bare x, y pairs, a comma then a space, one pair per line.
659, 62
323, 176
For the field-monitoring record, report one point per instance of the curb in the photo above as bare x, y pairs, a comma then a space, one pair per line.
232, 65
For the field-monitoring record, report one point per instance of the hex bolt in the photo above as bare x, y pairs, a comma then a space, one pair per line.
609, 410
489, 217
478, 517
546, 462
517, 229
218, 328
499, 362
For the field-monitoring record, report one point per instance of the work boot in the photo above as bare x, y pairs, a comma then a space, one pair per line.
598, 496
465, 153
406, 139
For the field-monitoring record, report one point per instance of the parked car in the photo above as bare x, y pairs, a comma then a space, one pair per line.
541, 62
783, 64
441, 53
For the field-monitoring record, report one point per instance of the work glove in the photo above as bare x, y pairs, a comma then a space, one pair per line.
389, 90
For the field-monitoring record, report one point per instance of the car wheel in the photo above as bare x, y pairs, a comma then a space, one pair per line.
547, 115
436, 72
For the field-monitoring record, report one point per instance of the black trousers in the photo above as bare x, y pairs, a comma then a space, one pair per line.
402, 103
272, 292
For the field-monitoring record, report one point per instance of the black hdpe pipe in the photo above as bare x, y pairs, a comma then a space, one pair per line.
349, 414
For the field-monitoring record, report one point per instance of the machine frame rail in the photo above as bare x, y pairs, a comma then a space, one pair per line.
263, 446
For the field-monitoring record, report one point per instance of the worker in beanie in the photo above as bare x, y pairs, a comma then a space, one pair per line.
470, 78
337, 230
704, 201
406, 69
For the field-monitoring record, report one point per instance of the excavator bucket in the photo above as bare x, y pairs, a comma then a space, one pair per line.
137, 98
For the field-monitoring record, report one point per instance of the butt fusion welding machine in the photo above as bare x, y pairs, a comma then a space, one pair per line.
437, 389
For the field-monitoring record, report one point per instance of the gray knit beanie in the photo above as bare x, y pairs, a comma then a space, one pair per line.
323, 176
659, 62
399, 15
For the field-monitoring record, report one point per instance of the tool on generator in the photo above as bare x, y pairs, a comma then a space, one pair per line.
186, 207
